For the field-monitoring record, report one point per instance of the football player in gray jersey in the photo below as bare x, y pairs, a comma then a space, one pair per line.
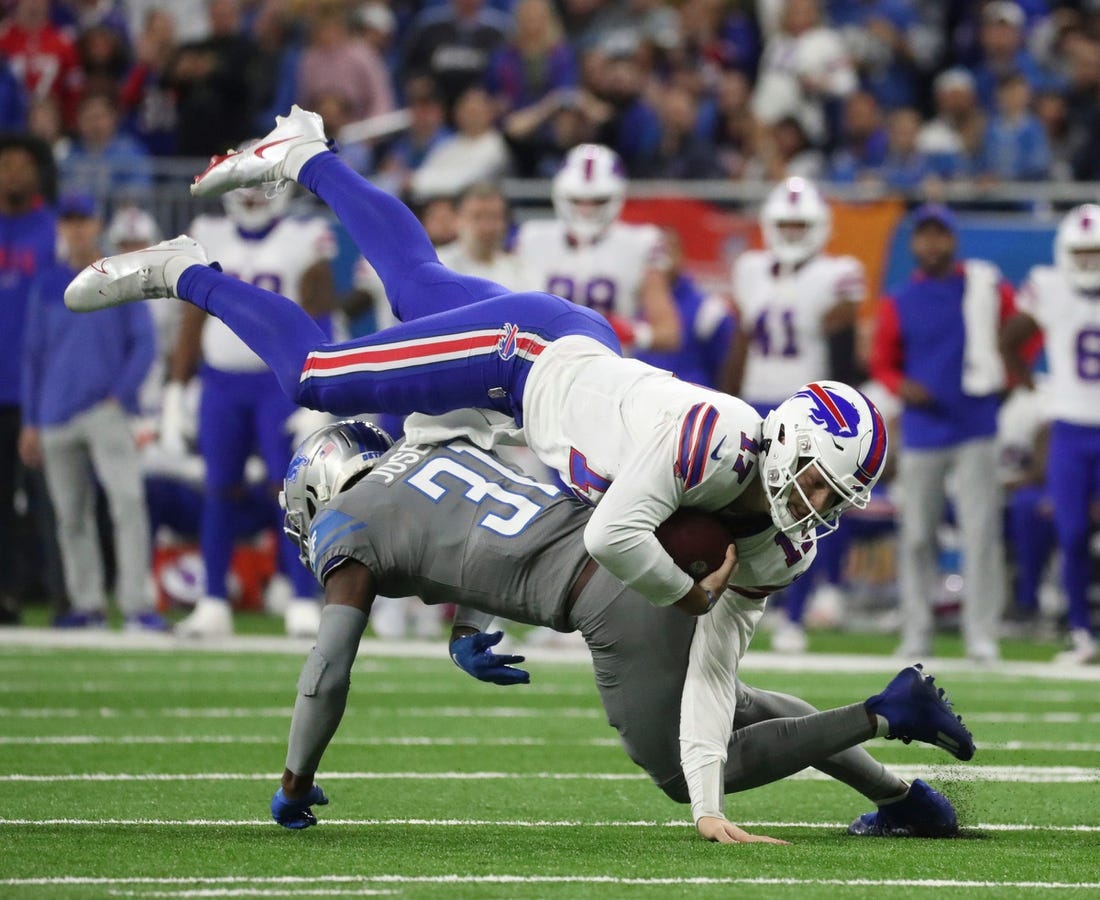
368, 520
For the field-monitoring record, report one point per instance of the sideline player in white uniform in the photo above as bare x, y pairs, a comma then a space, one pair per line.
1063, 302
241, 410
587, 256
790, 298
514, 548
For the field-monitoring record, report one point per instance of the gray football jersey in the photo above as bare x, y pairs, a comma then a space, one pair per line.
454, 524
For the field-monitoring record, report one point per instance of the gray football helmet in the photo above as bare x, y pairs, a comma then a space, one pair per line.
327, 462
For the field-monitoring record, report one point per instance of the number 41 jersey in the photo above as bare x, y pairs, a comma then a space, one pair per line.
783, 313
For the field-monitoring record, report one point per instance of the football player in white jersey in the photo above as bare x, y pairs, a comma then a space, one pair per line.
1063, 302
624, 435
241, 410
790, 298
587, 256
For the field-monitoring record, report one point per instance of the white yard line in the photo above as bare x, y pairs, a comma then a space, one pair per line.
547, 879
267, 712
504, 823
277, 740
45, 638
946, 772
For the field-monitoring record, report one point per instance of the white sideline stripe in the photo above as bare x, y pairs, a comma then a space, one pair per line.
458, 688
31, 740
755, 660
946, 772
280, 712
257, 892
509, 823
543, 879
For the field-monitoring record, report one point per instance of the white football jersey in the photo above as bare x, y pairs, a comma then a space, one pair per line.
1071, 328
783, 311
1019, 421
605, 276
505, 269
276, 263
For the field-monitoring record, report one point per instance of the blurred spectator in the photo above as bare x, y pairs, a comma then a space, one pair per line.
936, 348
191, 17
1003, 52
734, 127
862, 143
105, 58
81, 376
439, 216
682, 152
13, 100
42, 58
706, 322
81, 16
427, 128
335, 110
717, 35
482, 224
146, 100
215, 100
44, 122
1015, 146
952, 140
783, 150
453, 42
1053, 115
279, 40
878, 36
535, 61
804, 67
27, 237
542, 134
336, 62
103, 160
475, 152
634, 127
905, 166
377, 25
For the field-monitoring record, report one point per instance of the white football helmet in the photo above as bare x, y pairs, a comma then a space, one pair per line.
589, 190
329, 461
830, 426
1077, 247
796, 221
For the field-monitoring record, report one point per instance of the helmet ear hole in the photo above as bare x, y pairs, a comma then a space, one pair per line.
782, 436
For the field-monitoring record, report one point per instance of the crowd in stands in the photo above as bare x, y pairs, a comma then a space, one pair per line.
906, 94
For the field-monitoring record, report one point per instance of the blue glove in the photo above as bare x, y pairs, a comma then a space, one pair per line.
471, 654
297, 813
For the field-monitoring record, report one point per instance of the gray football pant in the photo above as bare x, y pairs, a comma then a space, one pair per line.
922, 476
640, 655
98, 441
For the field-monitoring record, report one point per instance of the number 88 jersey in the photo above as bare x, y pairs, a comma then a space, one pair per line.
1070, 320
605, 275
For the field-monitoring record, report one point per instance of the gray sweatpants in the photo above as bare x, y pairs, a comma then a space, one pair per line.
922, 491
640, 656
98, 444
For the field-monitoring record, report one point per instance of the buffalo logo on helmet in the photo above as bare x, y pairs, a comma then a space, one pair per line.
832, 412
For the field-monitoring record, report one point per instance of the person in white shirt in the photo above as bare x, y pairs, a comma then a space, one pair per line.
1063, 303
482, 231
586, 255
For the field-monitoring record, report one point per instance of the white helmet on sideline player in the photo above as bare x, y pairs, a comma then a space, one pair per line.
589, 190
329, 461
796, 221
1077, 247
830, 426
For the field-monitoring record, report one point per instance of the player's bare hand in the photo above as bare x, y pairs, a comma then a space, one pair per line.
722, 831
717, 580
913, 393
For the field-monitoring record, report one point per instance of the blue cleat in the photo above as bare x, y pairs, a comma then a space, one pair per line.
78, 619
924, 812
917, 710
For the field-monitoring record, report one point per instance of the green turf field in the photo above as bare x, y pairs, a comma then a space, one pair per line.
145, 773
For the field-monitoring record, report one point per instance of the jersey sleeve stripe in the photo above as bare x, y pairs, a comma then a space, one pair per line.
699, 427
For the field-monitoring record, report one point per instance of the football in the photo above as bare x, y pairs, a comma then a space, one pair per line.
695, 540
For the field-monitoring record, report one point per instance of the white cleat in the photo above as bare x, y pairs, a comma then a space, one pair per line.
789, 638
302, 618
1083, 650
139, 275
275, 158
211, 618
